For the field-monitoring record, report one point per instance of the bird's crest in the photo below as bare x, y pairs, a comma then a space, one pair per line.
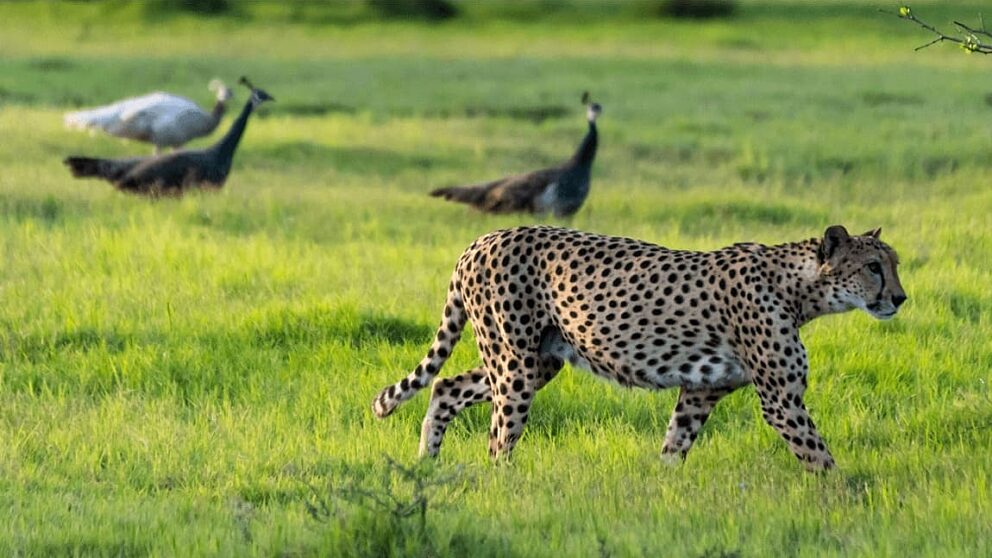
257, 94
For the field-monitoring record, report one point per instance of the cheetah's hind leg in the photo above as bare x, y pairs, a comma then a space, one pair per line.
514, 389
448, 397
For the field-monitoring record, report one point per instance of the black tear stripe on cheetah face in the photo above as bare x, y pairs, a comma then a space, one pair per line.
646, 316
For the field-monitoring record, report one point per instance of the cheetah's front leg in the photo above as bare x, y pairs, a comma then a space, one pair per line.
691, 412
783, 408
779, 376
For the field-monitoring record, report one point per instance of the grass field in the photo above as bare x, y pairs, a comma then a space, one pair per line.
193, 377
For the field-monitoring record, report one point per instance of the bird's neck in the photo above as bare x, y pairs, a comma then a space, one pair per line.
226, 146
586, 152
220, 107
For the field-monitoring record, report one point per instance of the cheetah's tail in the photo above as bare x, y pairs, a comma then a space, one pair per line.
448, 334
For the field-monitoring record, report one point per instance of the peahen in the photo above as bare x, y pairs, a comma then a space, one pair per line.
559, 190
162, 119
173, 173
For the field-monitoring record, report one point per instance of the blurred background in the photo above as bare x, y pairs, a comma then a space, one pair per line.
176, 374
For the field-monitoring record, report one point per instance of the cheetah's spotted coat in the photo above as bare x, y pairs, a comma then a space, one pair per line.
646, 316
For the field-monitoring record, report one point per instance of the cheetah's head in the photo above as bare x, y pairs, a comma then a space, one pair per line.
861, 271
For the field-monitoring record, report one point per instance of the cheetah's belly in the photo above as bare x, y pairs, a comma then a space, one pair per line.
658, 369
695, 370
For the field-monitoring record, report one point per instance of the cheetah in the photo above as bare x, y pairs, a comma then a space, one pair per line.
646, 316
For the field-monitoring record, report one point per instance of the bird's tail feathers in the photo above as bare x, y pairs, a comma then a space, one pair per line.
472, 195
108, 169
103, 117
82, 167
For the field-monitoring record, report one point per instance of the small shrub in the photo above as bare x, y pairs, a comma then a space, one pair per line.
382, 515
697, 9
434, 10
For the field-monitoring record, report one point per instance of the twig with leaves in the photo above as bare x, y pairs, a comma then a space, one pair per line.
971, 41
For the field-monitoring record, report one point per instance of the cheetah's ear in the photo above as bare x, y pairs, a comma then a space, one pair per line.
874, 233
832, 239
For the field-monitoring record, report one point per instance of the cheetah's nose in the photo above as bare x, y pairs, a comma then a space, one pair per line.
898, 299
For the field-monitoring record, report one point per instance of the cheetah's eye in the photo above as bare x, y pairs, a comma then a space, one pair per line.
875, 268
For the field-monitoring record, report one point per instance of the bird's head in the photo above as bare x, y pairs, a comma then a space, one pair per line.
222, 91
258, 96
593, 110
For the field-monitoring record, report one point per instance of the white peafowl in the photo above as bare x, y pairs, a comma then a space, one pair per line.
172, 174
162, 119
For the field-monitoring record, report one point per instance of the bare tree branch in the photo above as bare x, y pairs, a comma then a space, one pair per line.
971, 41
979, 31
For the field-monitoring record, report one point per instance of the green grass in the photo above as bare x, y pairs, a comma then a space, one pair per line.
175, 375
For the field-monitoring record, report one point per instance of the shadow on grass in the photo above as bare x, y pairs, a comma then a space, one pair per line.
880, 98
966, 306
39, 348
720, 553
938, 165
857, 487
16, 97
287, 327
52, 64
77, 547
535, 114
699, 217
48, 210
684, 153
357, 160
308, 109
